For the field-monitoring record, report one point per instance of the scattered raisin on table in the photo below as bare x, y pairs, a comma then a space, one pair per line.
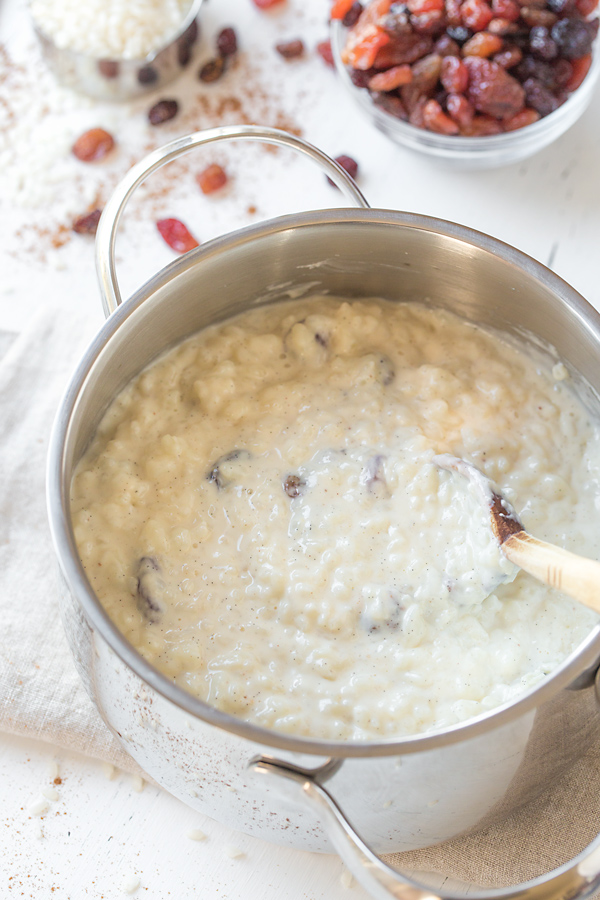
211, 179
176, 235
87, 224
468, 67
267, 4
212, 70
93, 145
163, 111
348, 164
290, 49
325, 52
227, 42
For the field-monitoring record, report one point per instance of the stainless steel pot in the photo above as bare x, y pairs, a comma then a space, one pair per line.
403, 794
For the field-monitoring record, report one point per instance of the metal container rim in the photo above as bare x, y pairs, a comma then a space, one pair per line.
584, 657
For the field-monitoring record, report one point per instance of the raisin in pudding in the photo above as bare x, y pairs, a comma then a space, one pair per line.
260, 515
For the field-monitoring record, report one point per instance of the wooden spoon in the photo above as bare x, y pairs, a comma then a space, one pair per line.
577, 576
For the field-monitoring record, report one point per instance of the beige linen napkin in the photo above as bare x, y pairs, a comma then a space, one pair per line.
40, 692
41, 695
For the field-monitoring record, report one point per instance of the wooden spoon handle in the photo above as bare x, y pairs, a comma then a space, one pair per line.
577, 576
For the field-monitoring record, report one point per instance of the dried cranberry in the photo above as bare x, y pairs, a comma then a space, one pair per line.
163, 111
502, 27
176, 235
290, 49
574, 37
580, 69
360, 77
266, 4
348, 164
476, 14
211, 179
93, 145
212, 70
87, 224
325, 52
492, 90
539, 97
353, 15
541, 44
226, 42
506, 9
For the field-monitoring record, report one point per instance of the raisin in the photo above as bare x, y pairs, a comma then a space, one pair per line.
392, 105
502, 27
408, 50
211, 179
325, 52
482, 126
373, 476
541, 43
542, 71
212, 70
348, 164
437, 120
93, 145
509, 58
149, 590
538, 97
586, 7
482, 44
266, 4
176, 235
293, 485
574, 37
222, 475
391, 79
454, 75
190, 35
563, 71
290, 49
426, 72
353, 15
419, 7
431, 23
533, 17
108, 68
445, 46
525, 117
226, 42
184, 53
460, 34
87, 224
163, 111
147, 75
492, 90
397, 22
460, 109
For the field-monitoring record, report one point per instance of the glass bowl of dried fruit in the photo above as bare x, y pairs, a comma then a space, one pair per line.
473, 83
112, 50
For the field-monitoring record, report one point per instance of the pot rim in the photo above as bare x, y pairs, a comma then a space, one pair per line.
581, 660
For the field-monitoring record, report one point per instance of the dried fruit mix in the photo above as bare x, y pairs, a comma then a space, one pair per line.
469, 67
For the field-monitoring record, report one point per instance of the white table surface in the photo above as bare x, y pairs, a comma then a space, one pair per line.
100, 831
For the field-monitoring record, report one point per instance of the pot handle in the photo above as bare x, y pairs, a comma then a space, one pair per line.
578, 878
109, 221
